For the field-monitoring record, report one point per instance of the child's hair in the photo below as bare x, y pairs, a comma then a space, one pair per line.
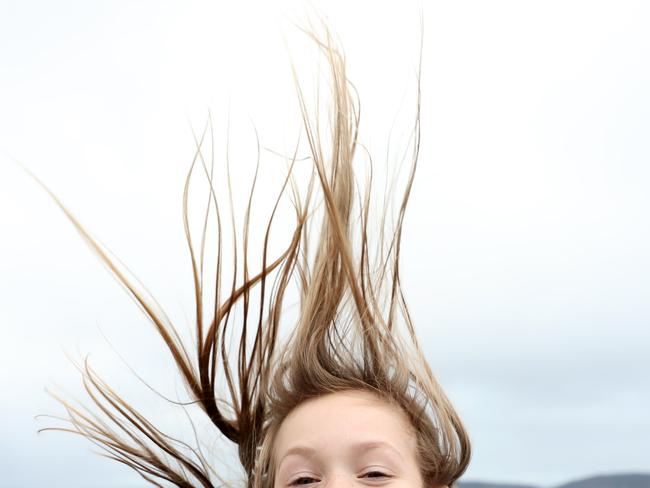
347, 335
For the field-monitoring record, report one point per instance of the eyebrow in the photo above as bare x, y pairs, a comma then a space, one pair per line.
309, 452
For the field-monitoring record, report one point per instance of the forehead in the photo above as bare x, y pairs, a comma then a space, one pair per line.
337, 421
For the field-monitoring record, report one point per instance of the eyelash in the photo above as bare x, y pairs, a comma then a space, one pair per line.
296, 481
380, 473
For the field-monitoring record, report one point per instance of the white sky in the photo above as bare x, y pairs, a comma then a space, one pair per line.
525, 258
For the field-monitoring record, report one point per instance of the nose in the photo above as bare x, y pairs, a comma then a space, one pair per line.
340, 480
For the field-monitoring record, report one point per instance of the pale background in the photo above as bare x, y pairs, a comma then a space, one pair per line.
525, 255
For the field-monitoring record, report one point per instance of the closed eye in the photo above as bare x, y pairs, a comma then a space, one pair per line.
375, 475
304, 480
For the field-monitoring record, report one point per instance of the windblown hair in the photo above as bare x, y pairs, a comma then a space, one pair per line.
353, 330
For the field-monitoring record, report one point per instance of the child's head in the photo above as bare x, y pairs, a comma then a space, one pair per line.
333, 422
347, 397
344, 439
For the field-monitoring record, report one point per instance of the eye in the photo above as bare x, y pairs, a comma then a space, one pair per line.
374, 475
303, 480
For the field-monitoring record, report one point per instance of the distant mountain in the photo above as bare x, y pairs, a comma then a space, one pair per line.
604, 481
612, 481
479, 484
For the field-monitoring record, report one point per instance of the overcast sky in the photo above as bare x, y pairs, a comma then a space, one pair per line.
525, 258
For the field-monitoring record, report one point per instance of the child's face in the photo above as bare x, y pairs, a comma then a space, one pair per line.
346, 439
